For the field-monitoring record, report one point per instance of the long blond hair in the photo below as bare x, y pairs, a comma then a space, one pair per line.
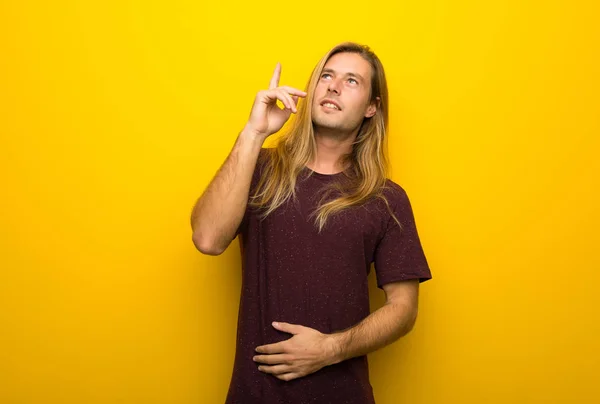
367, 161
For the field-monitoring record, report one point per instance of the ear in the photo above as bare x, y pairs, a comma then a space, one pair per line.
372, 108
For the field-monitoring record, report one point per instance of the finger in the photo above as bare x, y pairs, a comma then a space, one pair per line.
289, 328
272, 359
275, 370
274, 95
271, 349
290, 104
282, 96
275, 79
294, 91
288, 376
278, 94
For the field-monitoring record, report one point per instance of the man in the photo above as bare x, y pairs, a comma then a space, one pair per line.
313, 214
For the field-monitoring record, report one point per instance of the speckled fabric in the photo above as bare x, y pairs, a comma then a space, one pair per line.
293, 274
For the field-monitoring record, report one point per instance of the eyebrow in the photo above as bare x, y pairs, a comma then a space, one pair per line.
329, 70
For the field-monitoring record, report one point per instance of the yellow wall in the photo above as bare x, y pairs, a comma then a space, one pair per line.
114, 117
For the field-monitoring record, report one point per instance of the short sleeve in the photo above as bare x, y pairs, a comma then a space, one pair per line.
399, 254
258, 168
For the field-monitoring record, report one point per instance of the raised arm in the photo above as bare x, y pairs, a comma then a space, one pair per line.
220, 209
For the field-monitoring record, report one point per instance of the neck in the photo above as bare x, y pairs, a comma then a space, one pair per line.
331, 146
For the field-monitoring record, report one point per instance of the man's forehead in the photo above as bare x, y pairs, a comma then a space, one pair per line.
347, 63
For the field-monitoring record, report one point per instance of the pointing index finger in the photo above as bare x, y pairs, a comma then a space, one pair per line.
275, 79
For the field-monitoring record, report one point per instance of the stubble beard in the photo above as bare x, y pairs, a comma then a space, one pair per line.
327, 125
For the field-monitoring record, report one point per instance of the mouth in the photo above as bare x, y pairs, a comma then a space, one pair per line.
330, 104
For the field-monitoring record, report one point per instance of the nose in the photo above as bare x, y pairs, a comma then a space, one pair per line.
333, 86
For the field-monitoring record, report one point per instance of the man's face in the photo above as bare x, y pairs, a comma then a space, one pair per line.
346, 82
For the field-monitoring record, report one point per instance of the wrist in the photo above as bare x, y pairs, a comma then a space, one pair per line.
253, 134
335, 348
249, 137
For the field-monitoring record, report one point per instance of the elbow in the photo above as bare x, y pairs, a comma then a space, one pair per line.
206, 245
412, 320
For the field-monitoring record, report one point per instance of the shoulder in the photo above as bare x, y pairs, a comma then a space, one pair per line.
394, 192
398, 202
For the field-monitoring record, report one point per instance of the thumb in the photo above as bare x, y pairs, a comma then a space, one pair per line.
287, 327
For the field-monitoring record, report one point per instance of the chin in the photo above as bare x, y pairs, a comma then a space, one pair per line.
330, 127
326, 121
322, 123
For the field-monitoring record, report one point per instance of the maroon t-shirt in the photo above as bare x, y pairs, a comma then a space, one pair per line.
293, 274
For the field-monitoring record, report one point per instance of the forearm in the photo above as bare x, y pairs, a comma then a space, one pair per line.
219, 211
382, 327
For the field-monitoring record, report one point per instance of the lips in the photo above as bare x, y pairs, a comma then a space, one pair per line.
331, 102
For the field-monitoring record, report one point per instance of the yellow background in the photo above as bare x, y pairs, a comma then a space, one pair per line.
115, 115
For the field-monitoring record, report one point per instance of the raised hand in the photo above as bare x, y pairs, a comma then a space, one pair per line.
266, 117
